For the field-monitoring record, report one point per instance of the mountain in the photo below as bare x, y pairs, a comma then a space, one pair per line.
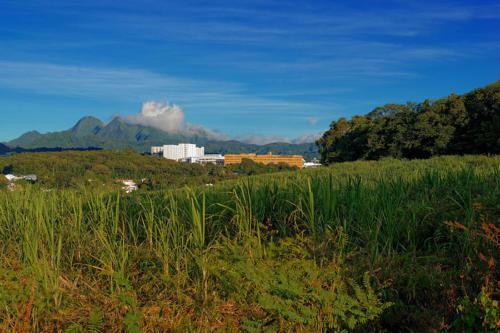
4, 149
118, 134
25, 139
87, 126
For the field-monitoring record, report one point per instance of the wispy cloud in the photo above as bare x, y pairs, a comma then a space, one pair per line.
69, 80
139, 85
312, 121
288, 26
327, 39
248, 59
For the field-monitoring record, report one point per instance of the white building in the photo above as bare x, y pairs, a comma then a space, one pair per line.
158, 150
129, 185
313, 164
30, 178
12, 178
180, 152
216, 159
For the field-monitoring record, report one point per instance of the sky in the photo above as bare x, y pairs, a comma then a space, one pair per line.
262, 70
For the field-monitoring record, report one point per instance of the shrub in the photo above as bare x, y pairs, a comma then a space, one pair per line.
292, 291
3, 181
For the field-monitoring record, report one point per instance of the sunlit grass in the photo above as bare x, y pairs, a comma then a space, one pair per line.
183, 258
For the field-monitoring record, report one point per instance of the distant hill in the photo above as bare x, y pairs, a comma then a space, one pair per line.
118, 134
4, 149
25, 139
87, 126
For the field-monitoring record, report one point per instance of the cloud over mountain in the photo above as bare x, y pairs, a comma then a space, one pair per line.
308, 138
171, 119
161, 115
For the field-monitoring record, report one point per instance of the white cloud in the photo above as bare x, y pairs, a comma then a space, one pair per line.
261, 139
169, 118
308, 138
100, 82
125, 84
312, 121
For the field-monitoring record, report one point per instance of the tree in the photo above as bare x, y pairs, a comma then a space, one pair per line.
345, 140
7, 169
457, 124
101, 169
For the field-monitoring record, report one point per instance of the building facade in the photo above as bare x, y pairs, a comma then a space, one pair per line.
216, 159
292, 160
157, 150
179, 152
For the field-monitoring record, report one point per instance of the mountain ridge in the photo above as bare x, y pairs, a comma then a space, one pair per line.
87, 125
4, 149
118, 134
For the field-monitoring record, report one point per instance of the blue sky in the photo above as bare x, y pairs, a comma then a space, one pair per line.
245, 68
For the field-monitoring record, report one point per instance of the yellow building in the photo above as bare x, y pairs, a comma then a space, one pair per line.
292, 160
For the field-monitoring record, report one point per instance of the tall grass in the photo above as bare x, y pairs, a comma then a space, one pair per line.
154, 258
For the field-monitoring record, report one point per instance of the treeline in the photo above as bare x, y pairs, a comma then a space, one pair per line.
75, 168
457, 124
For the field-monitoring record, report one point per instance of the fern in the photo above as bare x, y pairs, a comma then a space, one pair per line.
75, 328
95, 324
291, 289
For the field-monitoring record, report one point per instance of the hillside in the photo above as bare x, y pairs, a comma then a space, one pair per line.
118, 134
4, 149
456, 124
87, 126
24, 140
74, 169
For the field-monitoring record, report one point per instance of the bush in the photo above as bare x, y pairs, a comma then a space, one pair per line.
101, 169
3, 181
480, 315
293, 291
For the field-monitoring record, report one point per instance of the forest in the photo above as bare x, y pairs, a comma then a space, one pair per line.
453, 125
74, 169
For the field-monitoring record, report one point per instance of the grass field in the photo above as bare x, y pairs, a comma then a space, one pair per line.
392, 245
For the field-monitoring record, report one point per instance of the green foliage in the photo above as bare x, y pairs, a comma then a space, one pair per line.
128, 298
101, 169
249, 167
294, 290
480, 315
280, 251
75, 168
87, 126
25, 139
457, 124
94, 325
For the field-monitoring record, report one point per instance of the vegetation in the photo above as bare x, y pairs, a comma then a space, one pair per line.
457, 124
84, 168
391, 245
